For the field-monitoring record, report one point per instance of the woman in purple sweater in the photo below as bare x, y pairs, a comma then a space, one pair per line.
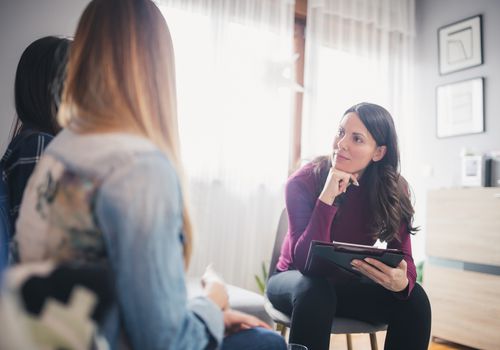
357, 195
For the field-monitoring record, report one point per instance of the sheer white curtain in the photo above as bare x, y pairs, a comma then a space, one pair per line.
356, 50
359, 50
234, 62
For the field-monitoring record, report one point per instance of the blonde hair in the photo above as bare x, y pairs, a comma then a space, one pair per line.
121, 77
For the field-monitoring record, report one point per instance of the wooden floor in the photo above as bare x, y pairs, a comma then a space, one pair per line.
362, 342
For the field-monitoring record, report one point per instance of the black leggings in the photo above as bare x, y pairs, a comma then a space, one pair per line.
313, 302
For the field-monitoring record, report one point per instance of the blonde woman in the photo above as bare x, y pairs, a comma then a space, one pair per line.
108, 188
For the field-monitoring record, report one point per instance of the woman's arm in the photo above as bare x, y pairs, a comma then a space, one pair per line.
139, 209
309, 219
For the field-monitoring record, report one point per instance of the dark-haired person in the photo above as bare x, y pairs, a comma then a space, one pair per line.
38, 86
356, 195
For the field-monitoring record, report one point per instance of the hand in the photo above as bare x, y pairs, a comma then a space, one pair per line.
235, 321
215, 288
336, 183
393, 279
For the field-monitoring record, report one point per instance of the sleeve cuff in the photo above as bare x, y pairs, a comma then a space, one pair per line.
324, 209
211, 315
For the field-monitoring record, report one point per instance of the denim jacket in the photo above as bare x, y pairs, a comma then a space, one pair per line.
116, 198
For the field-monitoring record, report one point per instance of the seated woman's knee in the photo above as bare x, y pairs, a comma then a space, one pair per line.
418, 305
315, 291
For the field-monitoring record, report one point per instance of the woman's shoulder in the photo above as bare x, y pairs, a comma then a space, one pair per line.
30, 136
312, 171
28, 143
102, 154
149, 166
307, 177
303, 174
149, 173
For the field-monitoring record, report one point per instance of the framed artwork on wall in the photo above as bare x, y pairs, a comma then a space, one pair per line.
460, 108
460, 45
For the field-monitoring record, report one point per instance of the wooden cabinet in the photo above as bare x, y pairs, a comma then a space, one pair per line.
462, 273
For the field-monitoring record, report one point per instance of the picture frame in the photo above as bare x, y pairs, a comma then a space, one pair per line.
460, 45
460, 108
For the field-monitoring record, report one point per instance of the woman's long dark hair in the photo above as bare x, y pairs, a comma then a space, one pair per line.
38, 85
389, 193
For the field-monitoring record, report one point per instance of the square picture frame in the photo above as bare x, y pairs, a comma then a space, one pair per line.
460, 108
460, 45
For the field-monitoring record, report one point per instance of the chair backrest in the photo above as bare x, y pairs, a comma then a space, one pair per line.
278, 241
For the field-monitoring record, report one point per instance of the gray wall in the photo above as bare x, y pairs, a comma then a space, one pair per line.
443, 155
21, 22
439, 160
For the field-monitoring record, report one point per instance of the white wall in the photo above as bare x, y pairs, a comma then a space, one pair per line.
441, 157
21, 22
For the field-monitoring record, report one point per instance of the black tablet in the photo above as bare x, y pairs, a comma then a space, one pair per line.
334, 259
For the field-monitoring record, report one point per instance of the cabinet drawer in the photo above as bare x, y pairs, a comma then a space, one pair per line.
464, 225
465, 306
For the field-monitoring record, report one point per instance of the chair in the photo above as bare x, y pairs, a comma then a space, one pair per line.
340, 325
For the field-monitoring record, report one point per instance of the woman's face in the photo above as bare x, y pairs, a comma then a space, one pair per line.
354, 148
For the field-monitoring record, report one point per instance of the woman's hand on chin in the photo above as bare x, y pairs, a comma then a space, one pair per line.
336, 183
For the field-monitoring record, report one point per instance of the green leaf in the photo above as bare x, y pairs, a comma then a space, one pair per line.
420, 272
262, 279
260, 284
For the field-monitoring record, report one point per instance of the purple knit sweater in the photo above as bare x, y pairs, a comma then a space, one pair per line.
311, 219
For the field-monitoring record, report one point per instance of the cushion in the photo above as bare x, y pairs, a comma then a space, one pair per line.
239, 299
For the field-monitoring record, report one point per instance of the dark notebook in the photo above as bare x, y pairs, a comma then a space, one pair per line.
334, 259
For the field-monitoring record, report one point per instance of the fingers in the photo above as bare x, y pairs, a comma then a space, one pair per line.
385, 268
403, 265
210, 275
344, 182
379, 265
239, 320
344, 179
336, 183
260, 323
354, 179
252, 321
370, 271
215, 288
394, 279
